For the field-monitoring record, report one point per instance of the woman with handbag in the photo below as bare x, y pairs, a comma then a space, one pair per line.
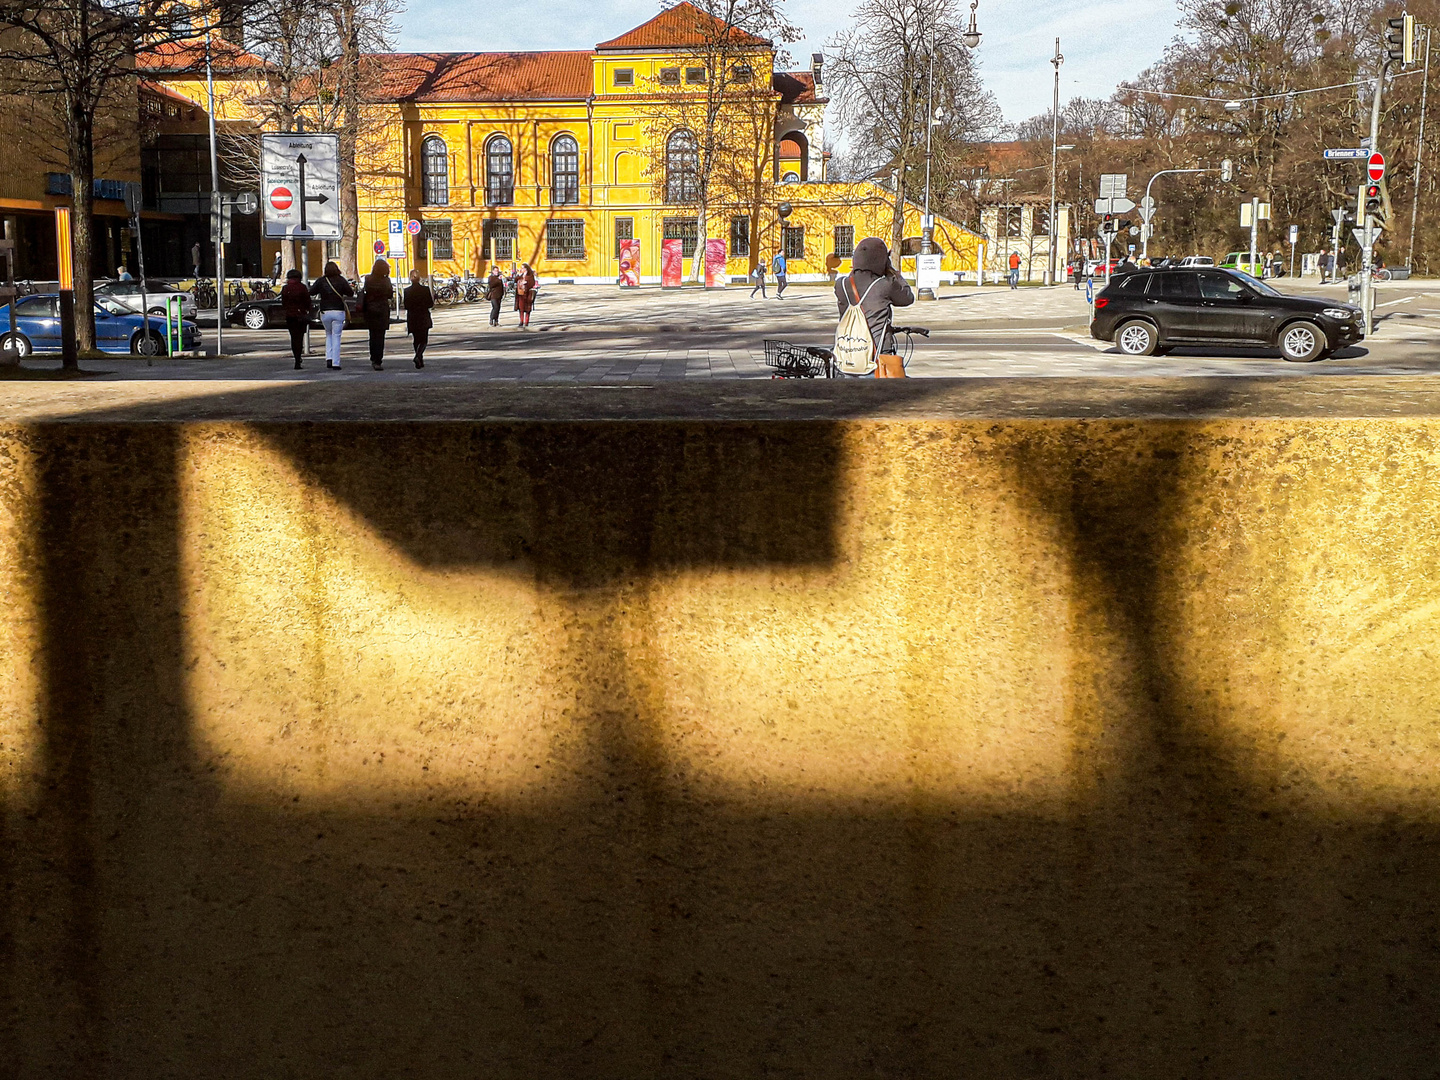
377, 297
330, 290
525, 285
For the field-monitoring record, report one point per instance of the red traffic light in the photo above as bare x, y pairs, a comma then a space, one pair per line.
1373, 191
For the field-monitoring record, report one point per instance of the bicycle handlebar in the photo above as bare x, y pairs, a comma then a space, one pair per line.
911, 330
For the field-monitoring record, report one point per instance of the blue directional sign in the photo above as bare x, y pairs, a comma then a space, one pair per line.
1347, 154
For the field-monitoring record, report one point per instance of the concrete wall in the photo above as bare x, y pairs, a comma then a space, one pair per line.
931, 748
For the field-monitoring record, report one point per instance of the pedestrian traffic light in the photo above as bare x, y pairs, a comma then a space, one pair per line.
1400, 39
1372, 198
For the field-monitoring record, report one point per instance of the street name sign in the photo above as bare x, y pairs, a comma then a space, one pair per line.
1356, 153
300, 186
1117, 205
1377, 167
1112, 185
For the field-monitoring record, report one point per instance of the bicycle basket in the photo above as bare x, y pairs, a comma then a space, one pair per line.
792, 361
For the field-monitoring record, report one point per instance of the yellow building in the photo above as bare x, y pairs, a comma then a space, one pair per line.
556, 158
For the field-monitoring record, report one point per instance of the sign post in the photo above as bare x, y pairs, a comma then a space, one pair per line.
66, 261
1294, 236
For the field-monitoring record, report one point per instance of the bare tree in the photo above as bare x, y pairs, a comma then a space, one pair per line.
712, 127
880, 68
79, 54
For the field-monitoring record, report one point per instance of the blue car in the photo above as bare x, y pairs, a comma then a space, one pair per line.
119, 328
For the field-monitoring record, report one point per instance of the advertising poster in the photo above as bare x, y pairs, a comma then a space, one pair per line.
672, 263
714, 263
630, 264
927, 271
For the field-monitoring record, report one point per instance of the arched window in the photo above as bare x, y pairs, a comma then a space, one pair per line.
499, 171
435, 171
565, 170
682, 168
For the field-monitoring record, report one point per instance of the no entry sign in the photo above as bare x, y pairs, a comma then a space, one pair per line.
281, 198
1377, 167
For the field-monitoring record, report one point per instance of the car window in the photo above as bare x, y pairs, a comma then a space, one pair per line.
1129, 285
159, 287
1256, 284
36, 307
1220, 287
111, 306
1175, 287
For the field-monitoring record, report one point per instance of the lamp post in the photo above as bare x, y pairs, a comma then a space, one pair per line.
1056, 60
217, 222
970, 39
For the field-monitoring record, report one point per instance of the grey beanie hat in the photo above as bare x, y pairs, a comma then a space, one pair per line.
871, 254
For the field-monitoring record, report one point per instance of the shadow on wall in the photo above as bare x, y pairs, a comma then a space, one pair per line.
193, 892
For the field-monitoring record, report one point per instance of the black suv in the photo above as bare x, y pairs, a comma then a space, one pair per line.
1148, 311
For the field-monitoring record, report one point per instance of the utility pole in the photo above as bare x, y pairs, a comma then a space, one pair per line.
217, 212
927, 225
1146, 206
1056, 60
1362, 217
1419, 152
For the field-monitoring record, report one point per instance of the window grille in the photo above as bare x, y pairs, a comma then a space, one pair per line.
686, 231
565, 239
844, 241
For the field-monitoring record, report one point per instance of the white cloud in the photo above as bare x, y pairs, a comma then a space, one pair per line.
1104, 41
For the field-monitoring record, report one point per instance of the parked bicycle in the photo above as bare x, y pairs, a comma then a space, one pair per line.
205, 294
791, 361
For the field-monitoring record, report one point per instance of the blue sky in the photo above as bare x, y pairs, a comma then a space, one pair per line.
1104, 41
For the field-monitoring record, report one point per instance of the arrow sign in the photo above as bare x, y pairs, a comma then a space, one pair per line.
1377, 167
1113, 206
1358, 153
300, 181
320, 199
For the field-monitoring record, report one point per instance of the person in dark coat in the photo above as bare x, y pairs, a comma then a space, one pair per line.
298, 308
525, 285
495, 292
418, 303
330, 290
871, 263
377, 297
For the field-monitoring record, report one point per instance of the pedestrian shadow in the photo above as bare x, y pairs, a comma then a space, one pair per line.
1156, 913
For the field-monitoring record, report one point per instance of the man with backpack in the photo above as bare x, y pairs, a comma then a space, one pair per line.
866, 298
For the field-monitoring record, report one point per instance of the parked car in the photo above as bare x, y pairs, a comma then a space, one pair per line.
119, 328
156, 295
268, 314
1197, 260
1240, 260
1150, 311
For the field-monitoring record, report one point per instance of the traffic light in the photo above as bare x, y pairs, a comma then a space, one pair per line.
1400, 39
1372, 199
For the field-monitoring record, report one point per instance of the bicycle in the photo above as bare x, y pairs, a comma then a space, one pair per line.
205, 294
907, 349
791, 361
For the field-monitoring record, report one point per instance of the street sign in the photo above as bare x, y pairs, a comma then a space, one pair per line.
1112, 185
247, 203
1377, 167
412, 227
1365, 237
1294, 233
379, 247
1117, 205
397, 238
1337, 216
300, 186
1357, 153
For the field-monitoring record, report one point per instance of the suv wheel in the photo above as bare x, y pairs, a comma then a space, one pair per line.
1302, 342
1137, 339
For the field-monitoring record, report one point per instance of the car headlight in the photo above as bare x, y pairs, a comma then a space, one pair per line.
1340, 313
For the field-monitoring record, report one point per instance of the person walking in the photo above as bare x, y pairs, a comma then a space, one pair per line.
495, 293
782, 273
377, 297
195, 258
758, 276
1014, 269
296, 303
418, 303
330, 290
877, 287
525, 287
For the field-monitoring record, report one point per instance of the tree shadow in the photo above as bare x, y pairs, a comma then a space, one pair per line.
1170, 922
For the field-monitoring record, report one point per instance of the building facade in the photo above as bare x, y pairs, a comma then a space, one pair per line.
1020, 224
559, 158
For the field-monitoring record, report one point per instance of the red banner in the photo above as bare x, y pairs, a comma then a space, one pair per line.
714, 263
630, 264
672, 263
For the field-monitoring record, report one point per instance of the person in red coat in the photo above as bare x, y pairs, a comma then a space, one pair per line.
525, 285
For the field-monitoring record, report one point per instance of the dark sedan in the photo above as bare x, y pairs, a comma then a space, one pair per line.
1150, 311
269, 315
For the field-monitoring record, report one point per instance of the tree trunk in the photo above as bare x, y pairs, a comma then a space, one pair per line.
349, 138
80, 136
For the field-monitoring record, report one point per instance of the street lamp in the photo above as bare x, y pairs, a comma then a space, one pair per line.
970, 39
1056, 60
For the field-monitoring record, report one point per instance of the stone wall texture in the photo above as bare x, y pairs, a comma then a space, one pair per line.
947, 748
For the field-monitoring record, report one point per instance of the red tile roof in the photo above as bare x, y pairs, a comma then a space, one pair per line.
512, 76
684, 24
163, 91
189, 56
796, 87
